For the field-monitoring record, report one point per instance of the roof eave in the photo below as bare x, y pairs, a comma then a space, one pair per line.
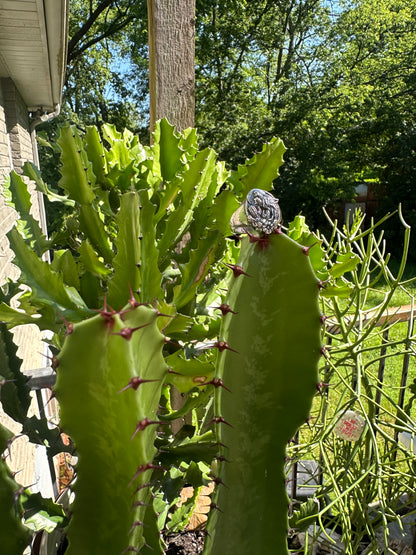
56, 24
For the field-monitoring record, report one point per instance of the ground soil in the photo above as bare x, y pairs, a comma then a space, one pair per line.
185, 543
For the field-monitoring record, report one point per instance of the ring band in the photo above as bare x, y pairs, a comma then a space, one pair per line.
238, 221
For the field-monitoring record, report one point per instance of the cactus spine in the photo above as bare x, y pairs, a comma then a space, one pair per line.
270, 382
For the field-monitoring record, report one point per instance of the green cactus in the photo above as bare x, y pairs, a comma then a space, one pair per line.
14, 536
111, 371
266, 377
133, 297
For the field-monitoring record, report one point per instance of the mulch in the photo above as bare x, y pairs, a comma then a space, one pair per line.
185, 543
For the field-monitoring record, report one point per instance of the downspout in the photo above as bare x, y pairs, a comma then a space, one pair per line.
42, 398
41, 117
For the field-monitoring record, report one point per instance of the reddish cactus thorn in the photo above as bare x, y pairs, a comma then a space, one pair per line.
262, 240
69, 325
217, 480
321, 386
158, 313
138, 523
170, 371
221, 458
54, 361
128, 332
219, 444
237, 270
323, 319
216, 507
106, 311
142, 425
139, 504
225, 309
132, 301
322, 284
7, 452
222, 346
134, 383
218, 420
306, 250
144, 468
167, 340
216, 382
324, 351
140, 487
53, 395
134, 525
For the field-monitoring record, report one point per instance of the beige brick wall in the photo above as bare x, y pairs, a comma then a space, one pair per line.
5, 152
15, 149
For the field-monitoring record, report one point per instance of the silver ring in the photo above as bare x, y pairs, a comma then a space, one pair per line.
259, 212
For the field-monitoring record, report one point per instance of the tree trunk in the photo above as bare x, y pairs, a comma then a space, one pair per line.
172, 84
172, 62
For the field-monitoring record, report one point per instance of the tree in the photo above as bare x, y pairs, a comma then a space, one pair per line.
98, 86
336, 81
331, 79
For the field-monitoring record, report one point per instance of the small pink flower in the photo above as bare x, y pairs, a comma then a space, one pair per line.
350, 426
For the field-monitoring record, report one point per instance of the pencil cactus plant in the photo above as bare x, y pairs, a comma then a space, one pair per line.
134, 295
366, 470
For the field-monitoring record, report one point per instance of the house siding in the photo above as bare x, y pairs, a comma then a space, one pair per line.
17, 125
15, 149
5, 152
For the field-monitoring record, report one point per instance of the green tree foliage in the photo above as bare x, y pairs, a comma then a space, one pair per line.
100, 84
335, 80
97, 87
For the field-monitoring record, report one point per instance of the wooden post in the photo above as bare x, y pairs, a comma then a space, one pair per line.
172, 62
172, 83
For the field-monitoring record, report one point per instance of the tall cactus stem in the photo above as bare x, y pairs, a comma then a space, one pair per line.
272, 373
108, 386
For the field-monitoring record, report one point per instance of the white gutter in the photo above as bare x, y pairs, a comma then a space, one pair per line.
56, 23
